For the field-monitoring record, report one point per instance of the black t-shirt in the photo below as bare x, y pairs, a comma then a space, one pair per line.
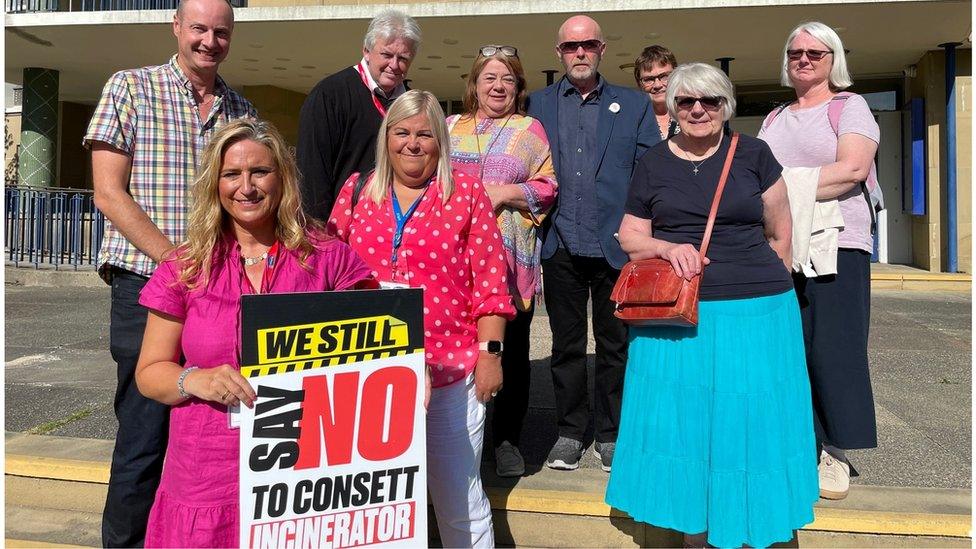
665, 190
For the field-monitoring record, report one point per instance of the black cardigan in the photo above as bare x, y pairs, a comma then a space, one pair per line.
337, 131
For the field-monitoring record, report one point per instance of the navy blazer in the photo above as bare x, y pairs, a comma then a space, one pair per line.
623, 135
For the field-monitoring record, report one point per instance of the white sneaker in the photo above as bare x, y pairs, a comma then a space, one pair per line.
835, 477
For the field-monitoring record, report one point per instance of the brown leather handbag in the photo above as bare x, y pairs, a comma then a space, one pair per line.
649, 293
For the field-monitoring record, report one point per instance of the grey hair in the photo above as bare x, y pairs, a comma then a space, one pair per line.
181, 7
700, 80
392, 24
839, 77
410, 104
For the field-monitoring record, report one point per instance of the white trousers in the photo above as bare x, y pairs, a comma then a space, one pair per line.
455, 433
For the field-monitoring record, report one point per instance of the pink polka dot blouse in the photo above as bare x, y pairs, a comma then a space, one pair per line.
452, 250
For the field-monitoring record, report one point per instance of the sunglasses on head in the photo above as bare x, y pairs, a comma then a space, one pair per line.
707, 103
492, 49
587, 45
812, 55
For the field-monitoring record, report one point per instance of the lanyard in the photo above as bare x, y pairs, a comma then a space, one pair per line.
491, 143
376, 100
269, 268
401, 219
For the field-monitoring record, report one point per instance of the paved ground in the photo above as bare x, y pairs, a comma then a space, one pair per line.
60, 379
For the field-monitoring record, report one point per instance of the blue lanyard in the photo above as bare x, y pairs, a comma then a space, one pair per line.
401, 219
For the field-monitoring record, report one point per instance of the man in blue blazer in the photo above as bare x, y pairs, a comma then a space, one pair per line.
597, 132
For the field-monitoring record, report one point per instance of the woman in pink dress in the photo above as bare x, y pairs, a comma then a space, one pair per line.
420, 224
246, 235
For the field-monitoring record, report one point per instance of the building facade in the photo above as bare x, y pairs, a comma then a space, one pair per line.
60, 53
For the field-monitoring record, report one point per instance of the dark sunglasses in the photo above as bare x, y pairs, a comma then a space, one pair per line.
812, 55
708, 103
587, 45
492, 49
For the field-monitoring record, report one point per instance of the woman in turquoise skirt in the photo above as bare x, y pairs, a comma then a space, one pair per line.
716, 425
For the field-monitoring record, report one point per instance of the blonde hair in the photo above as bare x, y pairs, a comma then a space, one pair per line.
839, 77
207, 219
410, 104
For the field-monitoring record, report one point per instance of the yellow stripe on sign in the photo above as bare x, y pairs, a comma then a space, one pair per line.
258, 370
324, 339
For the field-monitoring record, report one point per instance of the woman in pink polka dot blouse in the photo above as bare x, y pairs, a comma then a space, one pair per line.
419, 225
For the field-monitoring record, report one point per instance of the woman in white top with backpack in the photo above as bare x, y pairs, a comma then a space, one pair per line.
833, 130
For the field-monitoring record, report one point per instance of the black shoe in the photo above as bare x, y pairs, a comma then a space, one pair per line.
565, 454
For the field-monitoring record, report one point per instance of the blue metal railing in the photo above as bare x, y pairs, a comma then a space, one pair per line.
29, 6
52, 227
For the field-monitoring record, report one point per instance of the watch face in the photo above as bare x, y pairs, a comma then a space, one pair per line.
494, 347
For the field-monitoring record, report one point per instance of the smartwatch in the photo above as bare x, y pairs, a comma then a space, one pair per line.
493, 346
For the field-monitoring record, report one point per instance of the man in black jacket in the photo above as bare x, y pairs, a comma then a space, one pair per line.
341, 116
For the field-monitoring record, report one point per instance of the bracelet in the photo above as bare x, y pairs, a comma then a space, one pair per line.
179, 382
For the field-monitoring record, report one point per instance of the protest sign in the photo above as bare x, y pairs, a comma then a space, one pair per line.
334, 452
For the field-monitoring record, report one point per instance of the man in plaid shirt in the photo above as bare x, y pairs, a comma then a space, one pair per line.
146, 136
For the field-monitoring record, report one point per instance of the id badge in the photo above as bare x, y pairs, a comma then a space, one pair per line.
398, 279
234, 417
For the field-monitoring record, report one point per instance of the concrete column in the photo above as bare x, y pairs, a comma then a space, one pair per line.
39, 128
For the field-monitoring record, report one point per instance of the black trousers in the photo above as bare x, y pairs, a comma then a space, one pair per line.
512, 401
569, 282
143, 423
836, 314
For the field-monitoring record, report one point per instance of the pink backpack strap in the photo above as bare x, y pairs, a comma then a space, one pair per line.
835, 109
773, 114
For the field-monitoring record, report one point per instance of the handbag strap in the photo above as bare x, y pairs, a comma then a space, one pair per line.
718, 194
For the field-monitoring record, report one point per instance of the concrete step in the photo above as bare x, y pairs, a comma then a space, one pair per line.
43, 527
55, 489
42, 511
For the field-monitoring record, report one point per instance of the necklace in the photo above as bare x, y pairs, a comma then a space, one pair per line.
248, 261
664, 125
698, 164
491, 143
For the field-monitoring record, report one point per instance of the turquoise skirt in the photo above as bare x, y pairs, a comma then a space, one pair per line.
716, 431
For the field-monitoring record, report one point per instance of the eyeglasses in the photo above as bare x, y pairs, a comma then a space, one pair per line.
587, 45
812, 55
492, 49
663, 77
708, 103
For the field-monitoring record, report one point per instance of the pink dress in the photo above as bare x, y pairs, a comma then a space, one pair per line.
197, 501
452, 250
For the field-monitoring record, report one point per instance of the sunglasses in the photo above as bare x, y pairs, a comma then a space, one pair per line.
587, 45
663, 77
492, 49
812, 55
708, 103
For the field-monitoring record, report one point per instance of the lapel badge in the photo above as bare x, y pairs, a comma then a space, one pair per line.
614, 107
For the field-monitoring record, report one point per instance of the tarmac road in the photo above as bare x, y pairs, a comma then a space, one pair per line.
60, 379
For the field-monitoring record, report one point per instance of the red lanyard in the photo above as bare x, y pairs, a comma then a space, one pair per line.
376, 100
269, 267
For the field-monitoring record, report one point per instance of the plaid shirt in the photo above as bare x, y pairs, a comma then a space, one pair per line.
150, 114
